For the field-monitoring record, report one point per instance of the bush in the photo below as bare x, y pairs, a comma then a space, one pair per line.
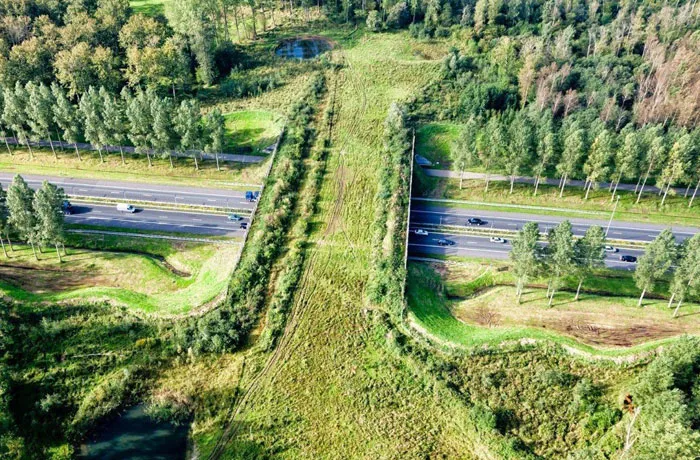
398, 16
374, 24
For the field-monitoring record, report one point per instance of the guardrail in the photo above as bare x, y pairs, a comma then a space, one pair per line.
152, 236
160, 205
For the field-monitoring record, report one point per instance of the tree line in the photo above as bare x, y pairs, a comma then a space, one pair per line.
531, 142
565, 256
35, 217
151, 123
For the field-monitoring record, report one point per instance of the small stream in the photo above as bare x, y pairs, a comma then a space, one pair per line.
134, 435
302, 48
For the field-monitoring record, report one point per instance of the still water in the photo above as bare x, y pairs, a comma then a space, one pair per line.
302, 48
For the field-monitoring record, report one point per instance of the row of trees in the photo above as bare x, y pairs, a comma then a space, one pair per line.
152, 124
35, 217
532, 142
566, 256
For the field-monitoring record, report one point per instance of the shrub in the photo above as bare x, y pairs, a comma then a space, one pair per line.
398, 16
374, 24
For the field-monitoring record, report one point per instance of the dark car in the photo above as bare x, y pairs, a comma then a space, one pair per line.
67, 207
444, 242
475, 221
244, 225
628, 258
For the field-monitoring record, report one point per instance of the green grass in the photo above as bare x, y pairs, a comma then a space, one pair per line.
435, 142
148, 275
469, 290
250, 131
148, 7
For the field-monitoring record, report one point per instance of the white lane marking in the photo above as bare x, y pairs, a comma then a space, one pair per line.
417, 211
157, 223
456, 247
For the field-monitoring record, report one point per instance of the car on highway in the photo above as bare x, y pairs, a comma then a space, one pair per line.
244, 225
124, 207
235, 217
497, 239
611, 249
67, 207
628, 258
444, 242
475, 221
421, 232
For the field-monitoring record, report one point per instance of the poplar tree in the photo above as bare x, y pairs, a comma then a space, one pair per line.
4, 215
597, 164
15, 115
560, 255
525, 255
655, 155
590, 254
92, 118
655, 262
66, 116
546, 147
574, 143
686, 278
627, 159
679, 162
138, 113
187, 127
22, 217
39, 112
114, 121
162, 132
464, 152
47, 204
3, 126
518, 155
216, 132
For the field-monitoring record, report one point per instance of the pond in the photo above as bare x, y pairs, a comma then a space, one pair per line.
303, 47
134, 435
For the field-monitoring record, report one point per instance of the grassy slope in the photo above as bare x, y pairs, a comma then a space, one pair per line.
148, 7
335, 390
249, 132
597, 324
138, 281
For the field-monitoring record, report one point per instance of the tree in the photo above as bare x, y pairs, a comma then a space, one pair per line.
519, 152
90, 109
4, 216
47, 204
627, 159
679, 162
114, 121
560, 255
656, 153
480, 15
40, 113
73, 68
546, 147
138, 112
187, 127
590, 254
162, 132
216, 130
574, 144
66, 116
597, 164
22, 218
15, 115
525, 255
464, 152
492, 145
656, 261
3, 127
686, 278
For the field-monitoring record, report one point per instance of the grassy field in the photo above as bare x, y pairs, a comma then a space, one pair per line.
148, 275
249, 132
136, 168
472, 303
148, 7
434, 141
675, 211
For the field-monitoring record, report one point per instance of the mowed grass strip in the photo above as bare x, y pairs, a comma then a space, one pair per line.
473, 303
152, 276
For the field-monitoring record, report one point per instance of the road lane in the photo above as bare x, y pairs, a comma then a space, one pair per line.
155, 220
642, 232
480, 246
135, 191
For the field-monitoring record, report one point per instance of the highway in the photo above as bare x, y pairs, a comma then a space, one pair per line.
134, 191
152, 219
422, 213
480, 246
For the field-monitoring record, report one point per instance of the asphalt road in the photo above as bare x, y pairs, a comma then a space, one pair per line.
480, 246
135, 191
151, 219
632, 231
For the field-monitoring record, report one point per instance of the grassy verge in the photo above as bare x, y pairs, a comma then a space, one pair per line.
251, 131
136, 168
149, 275
472, 304
674, 212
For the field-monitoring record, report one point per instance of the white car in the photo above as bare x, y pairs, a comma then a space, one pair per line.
421, 232
497, 239
611, 249
124, 207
